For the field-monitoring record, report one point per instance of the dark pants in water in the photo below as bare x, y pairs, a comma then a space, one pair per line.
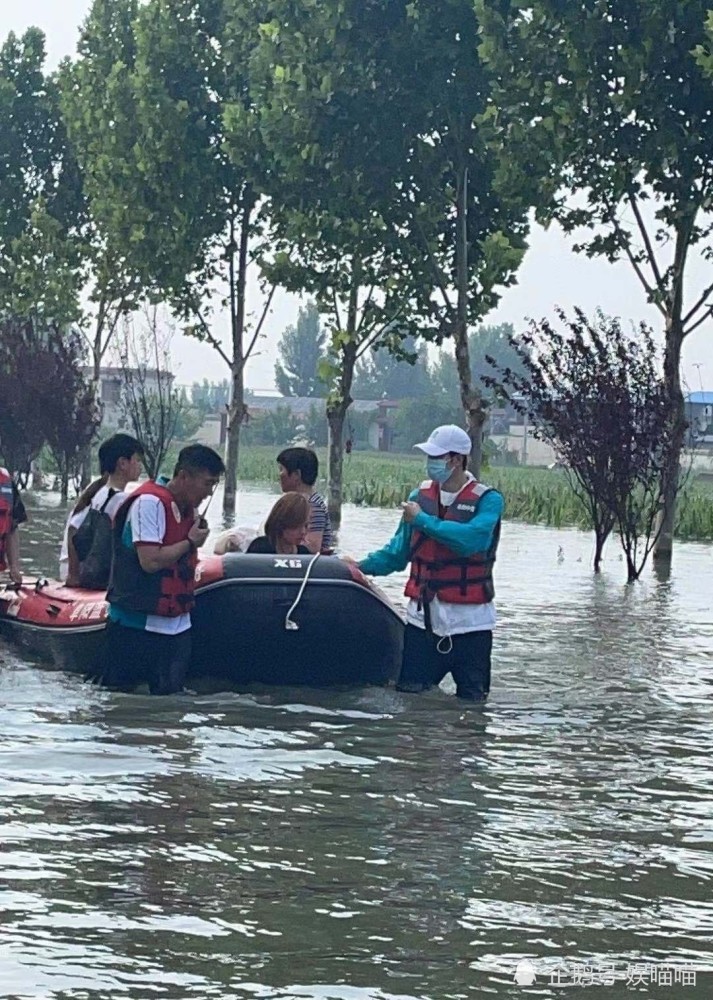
467, 657
132, 656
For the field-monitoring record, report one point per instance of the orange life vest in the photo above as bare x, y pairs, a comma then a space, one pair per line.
6, 506
436, 569
168, 592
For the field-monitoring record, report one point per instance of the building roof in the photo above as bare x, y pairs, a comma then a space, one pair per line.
118, 373
700, 398
299, 405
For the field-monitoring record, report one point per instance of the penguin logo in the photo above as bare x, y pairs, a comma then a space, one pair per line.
525, 973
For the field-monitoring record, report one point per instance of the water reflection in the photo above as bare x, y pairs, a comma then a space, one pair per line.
368, 844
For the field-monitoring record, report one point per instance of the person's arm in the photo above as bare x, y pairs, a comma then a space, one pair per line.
12, 555
154, 557
315, 530
12, 545
465, 538
148, 527
73, 564
395, 554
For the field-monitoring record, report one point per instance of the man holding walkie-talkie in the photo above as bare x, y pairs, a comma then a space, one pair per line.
157, 533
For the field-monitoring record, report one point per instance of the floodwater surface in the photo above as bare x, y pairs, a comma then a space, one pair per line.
372, 845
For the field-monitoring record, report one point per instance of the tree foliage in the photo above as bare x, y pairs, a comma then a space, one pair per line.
615, 121
300, 350
369, 111
44, 397
39, 258
179, 201
381, 375
599, 398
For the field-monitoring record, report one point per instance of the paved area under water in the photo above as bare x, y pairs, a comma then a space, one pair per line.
369, 845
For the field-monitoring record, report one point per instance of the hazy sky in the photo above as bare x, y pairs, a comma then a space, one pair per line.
551, 273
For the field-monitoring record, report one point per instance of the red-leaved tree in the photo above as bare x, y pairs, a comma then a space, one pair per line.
597, 395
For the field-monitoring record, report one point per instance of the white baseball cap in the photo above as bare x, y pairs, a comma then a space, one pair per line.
447, 438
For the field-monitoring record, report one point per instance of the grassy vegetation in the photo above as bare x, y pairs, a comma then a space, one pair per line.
537, 496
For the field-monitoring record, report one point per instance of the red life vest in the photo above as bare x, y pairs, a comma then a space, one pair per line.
436, 569
6, 506
168, 592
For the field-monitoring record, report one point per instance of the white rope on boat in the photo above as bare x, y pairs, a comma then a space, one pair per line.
290, 625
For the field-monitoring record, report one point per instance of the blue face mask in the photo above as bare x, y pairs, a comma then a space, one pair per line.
438, 470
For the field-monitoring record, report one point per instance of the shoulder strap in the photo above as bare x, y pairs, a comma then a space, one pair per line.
110, 494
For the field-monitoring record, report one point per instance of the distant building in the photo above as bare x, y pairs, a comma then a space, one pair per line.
111, 383
699, 413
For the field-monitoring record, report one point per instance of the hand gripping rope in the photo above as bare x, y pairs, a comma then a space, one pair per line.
290, 625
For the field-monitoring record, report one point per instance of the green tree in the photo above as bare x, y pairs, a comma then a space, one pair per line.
616, 120
185, 210
39, 261
99, 112
301, 348
381, 375
210, 397
387, 190
471, 225
487, 341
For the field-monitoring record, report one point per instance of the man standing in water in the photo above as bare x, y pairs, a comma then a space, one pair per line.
157, 533
449, 533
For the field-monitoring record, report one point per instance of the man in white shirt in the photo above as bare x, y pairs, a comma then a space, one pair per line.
449, 534
157, 533
85, 558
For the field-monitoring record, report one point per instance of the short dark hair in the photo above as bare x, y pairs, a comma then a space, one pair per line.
463, 459
302, 460
199, 458
116, 447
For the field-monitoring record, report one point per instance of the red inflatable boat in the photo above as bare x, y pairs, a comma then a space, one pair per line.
258, 619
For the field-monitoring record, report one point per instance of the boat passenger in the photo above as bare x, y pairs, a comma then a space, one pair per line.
298, 471
449, 534
286, 526
85, 558
12, 515
157, 533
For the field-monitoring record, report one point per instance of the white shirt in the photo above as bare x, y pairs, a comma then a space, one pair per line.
453, 619
76, 520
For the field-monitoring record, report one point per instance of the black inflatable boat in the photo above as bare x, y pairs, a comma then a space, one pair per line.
258, 619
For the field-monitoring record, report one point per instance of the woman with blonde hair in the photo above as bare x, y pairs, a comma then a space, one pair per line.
285, 527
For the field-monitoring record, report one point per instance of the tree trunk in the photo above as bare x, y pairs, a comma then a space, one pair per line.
663, 550
471, 399
339, 402
237, 314
335, 419
232, 440
85, 458
599, 541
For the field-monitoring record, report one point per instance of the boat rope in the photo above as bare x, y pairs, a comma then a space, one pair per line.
290, 625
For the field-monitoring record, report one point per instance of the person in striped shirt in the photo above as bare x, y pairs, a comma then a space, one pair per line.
298, 471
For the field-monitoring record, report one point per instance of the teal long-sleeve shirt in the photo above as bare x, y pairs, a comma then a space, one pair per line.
464, 538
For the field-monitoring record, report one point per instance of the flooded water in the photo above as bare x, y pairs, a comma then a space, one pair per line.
370, 845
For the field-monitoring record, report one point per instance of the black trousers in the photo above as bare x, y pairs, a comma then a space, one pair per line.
466, 656
132, 656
